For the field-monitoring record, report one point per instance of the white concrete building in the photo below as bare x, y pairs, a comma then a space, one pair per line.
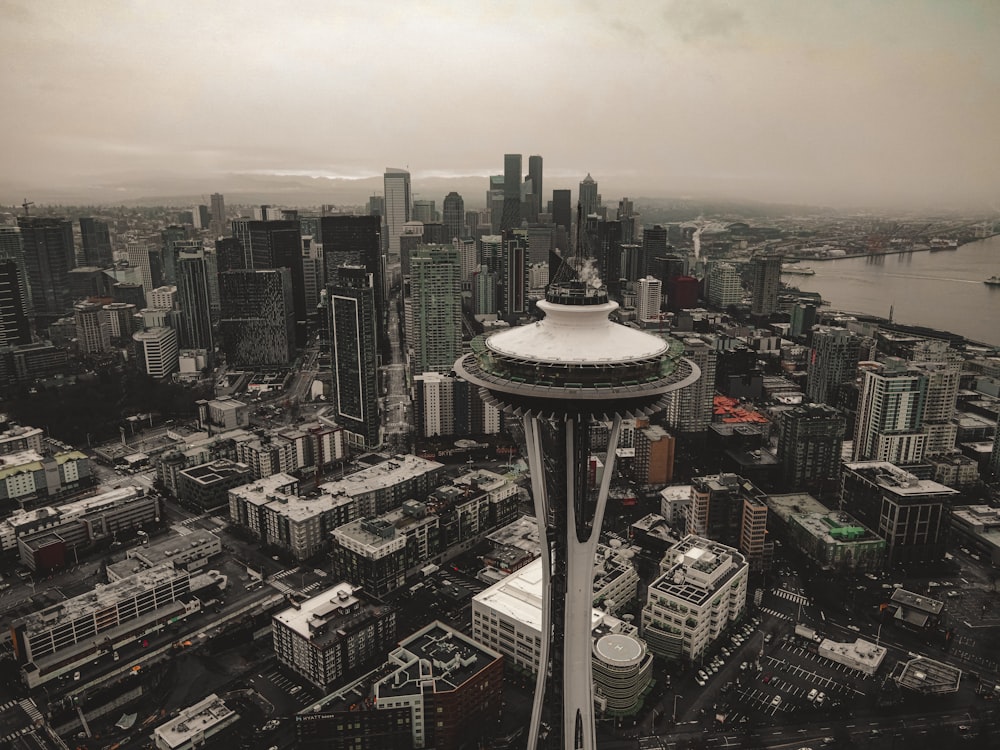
701, 589
507, 617
193, 726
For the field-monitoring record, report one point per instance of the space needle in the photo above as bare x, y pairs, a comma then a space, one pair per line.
561, 376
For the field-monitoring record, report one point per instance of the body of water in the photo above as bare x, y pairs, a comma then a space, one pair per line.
942, 290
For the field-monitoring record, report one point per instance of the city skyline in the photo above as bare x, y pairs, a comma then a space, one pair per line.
842, 105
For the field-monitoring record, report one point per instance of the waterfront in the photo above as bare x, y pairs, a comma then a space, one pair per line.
942, 290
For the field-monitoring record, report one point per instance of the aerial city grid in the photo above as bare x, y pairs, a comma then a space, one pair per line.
503, 451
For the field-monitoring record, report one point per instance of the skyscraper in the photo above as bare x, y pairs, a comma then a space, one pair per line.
722, 285
535, 173
833, 360
562, 210
354, 354
435, 308
12, 250
157, 351
138, 251
558, 376
766, 272
397, 206
193, 299
890, 409
14, 325
219, 224
257, 324
511, 216
357, 241
47, 249
454, 217
96, 240
590, 201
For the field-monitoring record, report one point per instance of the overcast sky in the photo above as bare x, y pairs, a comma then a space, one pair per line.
841, 101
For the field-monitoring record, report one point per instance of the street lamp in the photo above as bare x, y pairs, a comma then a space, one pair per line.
878, 634
676, 696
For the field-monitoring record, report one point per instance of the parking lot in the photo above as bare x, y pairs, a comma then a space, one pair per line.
286, 693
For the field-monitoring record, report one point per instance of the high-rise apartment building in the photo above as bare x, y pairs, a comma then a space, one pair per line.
397, 206
96, 243
157, 351
810, 440
435, 308
890, 412
194, 300
690, 409
766, 274
93, 329
354, 354
939, 405
47, 249
257, 325
833, 360
648, 298
15, 327
454, 217
514, 275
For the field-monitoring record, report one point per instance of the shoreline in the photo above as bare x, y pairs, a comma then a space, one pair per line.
817, 258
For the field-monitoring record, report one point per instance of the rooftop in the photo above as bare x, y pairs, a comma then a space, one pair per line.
195, 720
386, 473
696, 568
436, 657
329, 615
103, 597
928, 676
917, 602
898, 481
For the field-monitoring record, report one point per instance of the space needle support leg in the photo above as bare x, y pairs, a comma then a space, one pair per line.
539, 495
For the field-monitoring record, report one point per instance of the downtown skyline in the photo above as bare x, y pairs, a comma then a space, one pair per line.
843, 105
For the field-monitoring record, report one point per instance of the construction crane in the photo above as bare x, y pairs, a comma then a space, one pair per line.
25, 206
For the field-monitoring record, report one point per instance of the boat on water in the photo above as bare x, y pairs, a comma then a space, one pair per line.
797, 270
992, 281
939, 243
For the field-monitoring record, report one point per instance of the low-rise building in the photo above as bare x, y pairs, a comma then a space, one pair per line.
833, 539
272, 509
915, 610
507, 617
452, 686
194, 725
861, 655
27, 476
49, 538
701, 589
978, 528
381, 553
189, 552
333, 635
222, 414
207, 486
61, 637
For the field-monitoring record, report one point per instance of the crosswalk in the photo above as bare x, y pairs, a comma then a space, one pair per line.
181, 529
790, 596
775, 613
312, 587
7, 710
31, 709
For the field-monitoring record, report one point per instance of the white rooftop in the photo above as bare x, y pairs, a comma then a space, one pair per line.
576, 333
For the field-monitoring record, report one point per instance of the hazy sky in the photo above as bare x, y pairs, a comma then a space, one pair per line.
842, 101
